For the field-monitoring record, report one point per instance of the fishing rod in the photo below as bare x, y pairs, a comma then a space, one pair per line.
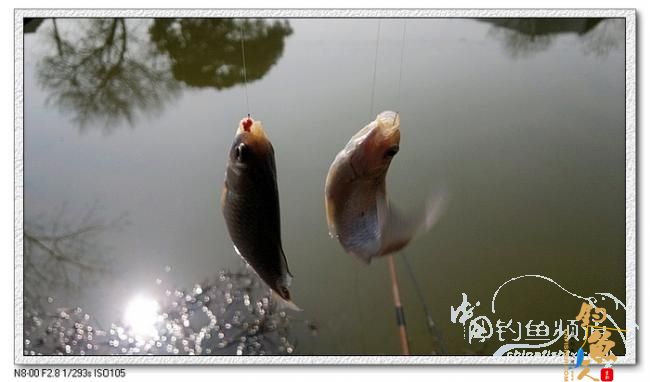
399, 310
436, 337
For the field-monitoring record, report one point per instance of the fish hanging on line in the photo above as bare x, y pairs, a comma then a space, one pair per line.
251, 208
358, 211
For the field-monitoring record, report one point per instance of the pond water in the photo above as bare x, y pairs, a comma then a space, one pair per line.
128, 123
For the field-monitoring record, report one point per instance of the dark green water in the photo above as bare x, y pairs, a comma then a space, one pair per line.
521, 120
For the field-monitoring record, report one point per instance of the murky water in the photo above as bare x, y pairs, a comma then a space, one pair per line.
128, 125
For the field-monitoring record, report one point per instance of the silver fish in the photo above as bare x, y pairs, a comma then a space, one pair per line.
251, 207
358, 211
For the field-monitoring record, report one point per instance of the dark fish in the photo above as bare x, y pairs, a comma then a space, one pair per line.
359, 214
251, 207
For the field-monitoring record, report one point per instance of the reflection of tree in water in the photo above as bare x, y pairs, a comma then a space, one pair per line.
608, 35
521, 45
99, 76
62, 254
207, 52
30, 25
101, 71
524, 37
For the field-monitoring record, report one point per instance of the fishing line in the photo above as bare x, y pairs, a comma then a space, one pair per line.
431, 326
243, 59
372, 102
401, 63
358, 307
374, 72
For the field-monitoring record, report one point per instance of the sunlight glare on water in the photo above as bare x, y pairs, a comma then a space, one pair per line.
141, 316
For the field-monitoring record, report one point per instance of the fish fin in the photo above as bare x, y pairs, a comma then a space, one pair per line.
224, 192
329, 211
288, 277
434, 209
365, 259
240, 255
285, 265
401, 228
383, 208
284, 304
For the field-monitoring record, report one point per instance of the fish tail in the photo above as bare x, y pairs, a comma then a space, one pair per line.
401, 228
435, 207
282, 303
363, 258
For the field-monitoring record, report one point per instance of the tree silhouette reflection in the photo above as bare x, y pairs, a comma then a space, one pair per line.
524, 37
207, 52
106, 74
30, 25
63, 254
99, 78
608, 35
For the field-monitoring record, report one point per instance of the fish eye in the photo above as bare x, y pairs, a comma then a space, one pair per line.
241, 152
391, 151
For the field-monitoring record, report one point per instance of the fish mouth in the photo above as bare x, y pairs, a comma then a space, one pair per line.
388, 121
387, 132
252, 127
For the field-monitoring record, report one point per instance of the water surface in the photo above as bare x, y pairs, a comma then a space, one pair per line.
130, 122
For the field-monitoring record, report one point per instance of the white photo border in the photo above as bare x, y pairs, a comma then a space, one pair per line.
630, 183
